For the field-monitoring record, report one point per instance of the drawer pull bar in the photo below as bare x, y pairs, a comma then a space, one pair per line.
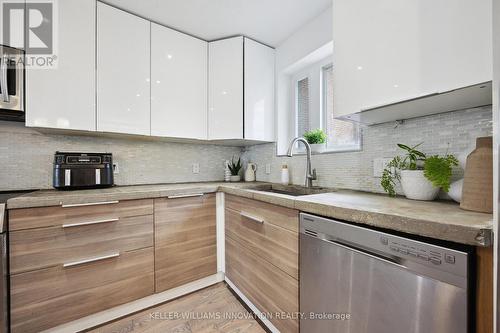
89, 223
85, 261
91, 204
185, 196
253, 218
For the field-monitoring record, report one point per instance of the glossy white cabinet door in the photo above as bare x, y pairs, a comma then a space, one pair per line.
225, 101
391, 50
123, 72
64, 96
15, 11
259, 91
179, 84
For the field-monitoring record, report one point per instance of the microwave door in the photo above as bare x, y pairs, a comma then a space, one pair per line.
11, 80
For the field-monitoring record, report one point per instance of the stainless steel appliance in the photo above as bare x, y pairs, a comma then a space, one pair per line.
4, 290
82, 170
359, 280
11, 84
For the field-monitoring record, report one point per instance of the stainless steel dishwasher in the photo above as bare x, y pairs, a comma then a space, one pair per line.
359, 280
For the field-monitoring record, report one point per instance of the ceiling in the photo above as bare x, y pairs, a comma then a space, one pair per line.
268, 21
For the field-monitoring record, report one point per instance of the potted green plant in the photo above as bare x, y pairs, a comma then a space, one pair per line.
317, 139
420, 176
235, 168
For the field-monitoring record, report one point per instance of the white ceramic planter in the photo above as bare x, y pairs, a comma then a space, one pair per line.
318, 148
416, 186
235, 179
455, 191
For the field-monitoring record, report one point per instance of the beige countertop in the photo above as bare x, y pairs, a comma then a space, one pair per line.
437, 219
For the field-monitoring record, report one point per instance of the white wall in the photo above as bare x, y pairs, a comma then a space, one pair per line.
496, 122
310, 38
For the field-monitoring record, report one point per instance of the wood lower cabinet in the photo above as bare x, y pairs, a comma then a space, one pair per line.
48, 297
185, 240
262, 246
70, 262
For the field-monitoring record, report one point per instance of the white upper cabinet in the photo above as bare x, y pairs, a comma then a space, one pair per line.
179, 84
392, 50
14, 11
123, 72
225, 89
241, 90
63, 96
259, 91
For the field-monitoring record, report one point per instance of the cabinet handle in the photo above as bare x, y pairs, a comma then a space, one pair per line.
71, 225
185, 196
89, 260
3, 79
253, 218
91, 204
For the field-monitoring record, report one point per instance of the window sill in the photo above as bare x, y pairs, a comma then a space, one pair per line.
326, 152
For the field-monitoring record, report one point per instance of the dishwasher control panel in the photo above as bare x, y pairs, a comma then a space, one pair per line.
414, 251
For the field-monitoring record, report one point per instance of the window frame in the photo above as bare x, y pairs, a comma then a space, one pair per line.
318, 116
324, 116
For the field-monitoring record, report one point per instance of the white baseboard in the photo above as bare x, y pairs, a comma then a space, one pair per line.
135, 306
252, 307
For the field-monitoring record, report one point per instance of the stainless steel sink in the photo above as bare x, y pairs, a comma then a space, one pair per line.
296, 190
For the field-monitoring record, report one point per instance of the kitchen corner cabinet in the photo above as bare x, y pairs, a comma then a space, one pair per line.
63, 97
178, 84
262, 256
241, 90
391, 50
123, 72
185, 240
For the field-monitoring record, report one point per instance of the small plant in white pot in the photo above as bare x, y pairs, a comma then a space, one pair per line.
420, 176
235, 168
317, 139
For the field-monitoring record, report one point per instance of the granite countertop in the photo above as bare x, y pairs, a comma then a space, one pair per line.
437, 219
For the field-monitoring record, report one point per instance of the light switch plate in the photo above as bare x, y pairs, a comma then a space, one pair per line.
196, 168
116, 168
268, 169
379, 165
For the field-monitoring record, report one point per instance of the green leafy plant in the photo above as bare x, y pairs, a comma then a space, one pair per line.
316, 136
437, 169
235, 167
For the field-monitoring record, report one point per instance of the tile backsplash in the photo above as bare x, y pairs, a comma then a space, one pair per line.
455, 132
26, 155
26, 158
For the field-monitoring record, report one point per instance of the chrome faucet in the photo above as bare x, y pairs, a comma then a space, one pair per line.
310, 174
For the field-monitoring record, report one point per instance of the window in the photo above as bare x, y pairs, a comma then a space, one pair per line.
313, 102
341, 135
302, 107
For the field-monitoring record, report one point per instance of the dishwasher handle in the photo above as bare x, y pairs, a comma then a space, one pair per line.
368, 254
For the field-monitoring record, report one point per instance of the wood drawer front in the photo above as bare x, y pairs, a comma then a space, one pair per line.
53, 296
270, 289
29, 218
185, 240
33, 249
281, 216
277, 245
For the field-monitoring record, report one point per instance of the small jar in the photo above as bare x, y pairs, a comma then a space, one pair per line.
285, 175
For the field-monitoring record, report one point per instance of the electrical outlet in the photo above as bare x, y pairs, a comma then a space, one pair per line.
196, 168
379, 164
116, 168
268, 169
